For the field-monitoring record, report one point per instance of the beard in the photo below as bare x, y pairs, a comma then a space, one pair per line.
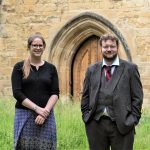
110, 59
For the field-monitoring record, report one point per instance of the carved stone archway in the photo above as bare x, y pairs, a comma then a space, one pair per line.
71, 36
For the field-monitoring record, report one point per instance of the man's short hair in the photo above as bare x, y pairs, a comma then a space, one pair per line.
108, 36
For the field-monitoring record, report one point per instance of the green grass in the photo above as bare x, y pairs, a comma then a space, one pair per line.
6, 124
70, 128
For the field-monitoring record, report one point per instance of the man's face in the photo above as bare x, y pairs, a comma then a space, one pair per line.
109, 50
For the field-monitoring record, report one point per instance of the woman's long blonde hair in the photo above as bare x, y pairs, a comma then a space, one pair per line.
26, 65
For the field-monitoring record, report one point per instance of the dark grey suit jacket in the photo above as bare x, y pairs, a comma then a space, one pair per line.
126, 92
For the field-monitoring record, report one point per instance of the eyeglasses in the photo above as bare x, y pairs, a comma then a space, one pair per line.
111, 46
37, 46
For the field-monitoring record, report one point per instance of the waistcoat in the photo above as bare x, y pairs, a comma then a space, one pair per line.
105, 99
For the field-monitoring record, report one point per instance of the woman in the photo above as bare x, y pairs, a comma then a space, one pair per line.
35, 87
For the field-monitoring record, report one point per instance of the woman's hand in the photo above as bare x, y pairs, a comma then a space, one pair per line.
39, 110
42, 111
40, 120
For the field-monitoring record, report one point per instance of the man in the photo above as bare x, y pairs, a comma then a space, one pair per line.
111, 100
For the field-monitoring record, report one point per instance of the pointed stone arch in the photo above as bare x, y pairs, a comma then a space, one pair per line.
68, 39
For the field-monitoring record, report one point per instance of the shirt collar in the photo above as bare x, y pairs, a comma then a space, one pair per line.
115, 63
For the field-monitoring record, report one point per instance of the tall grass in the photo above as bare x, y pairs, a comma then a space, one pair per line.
70, 128
6, 124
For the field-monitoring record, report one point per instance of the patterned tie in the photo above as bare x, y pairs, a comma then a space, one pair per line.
108, 72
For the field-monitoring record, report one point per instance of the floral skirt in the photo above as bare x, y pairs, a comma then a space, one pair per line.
29, 136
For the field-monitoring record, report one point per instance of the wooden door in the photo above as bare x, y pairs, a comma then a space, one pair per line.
88, 53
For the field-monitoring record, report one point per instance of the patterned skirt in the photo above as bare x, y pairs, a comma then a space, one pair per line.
29, 136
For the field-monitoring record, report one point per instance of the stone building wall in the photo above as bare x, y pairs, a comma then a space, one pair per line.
21, 18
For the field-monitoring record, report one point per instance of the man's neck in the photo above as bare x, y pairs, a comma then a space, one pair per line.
111, 62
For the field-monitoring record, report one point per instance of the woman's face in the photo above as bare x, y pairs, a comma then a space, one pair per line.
37, 48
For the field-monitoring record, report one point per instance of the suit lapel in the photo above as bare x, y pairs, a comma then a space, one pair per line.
116, 76
95, 84
96, 75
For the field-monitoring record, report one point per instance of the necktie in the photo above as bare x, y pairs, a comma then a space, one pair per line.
108, 72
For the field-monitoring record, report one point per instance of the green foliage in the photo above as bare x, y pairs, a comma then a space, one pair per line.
70, 128
6, 123
142, 137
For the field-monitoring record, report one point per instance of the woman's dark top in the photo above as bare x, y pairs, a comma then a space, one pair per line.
38, 87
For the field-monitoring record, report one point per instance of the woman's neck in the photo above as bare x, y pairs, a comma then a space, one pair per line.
36, 62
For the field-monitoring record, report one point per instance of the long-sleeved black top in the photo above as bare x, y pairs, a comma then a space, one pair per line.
39, 85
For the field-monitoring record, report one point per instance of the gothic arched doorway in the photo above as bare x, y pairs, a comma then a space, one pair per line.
69, 41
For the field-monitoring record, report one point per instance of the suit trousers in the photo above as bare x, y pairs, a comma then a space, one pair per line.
103, 135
